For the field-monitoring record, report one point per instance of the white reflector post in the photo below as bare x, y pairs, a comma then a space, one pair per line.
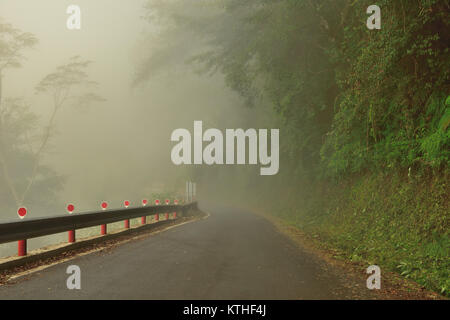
186, 197
194, 190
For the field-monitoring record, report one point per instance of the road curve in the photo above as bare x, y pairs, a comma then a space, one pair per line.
230, 255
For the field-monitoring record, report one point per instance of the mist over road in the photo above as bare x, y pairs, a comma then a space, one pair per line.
229, 255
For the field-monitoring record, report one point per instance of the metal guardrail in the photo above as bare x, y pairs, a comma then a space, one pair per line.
37, 227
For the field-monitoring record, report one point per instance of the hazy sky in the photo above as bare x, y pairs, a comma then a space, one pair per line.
87, 144
110, 29
121, 148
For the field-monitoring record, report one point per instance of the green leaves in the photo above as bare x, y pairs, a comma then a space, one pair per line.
444, 123
391, 90
350, 99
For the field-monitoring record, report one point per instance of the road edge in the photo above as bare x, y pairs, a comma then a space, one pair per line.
394, 286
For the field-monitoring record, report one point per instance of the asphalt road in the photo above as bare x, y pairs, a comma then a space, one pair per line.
229, 255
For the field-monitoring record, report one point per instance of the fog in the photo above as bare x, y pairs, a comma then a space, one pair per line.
119, 148
334, 135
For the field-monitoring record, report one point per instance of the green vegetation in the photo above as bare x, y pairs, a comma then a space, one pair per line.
364, 115
398, 223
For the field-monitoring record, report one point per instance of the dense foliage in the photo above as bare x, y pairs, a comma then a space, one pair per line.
364, 115
349, 98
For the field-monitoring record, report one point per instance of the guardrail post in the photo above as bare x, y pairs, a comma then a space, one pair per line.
157, 217
71, 236
103, 226
144, 218
126, 204
22, 248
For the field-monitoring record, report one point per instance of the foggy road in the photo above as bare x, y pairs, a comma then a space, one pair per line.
229, 255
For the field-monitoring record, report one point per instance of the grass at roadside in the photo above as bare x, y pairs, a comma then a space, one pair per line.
398, 223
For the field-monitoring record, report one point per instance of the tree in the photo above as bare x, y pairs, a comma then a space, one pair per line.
20, 126
64, 86
12, 44
68, 85
269, 52
350, 99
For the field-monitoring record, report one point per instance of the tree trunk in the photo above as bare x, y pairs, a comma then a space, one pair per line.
3, 161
